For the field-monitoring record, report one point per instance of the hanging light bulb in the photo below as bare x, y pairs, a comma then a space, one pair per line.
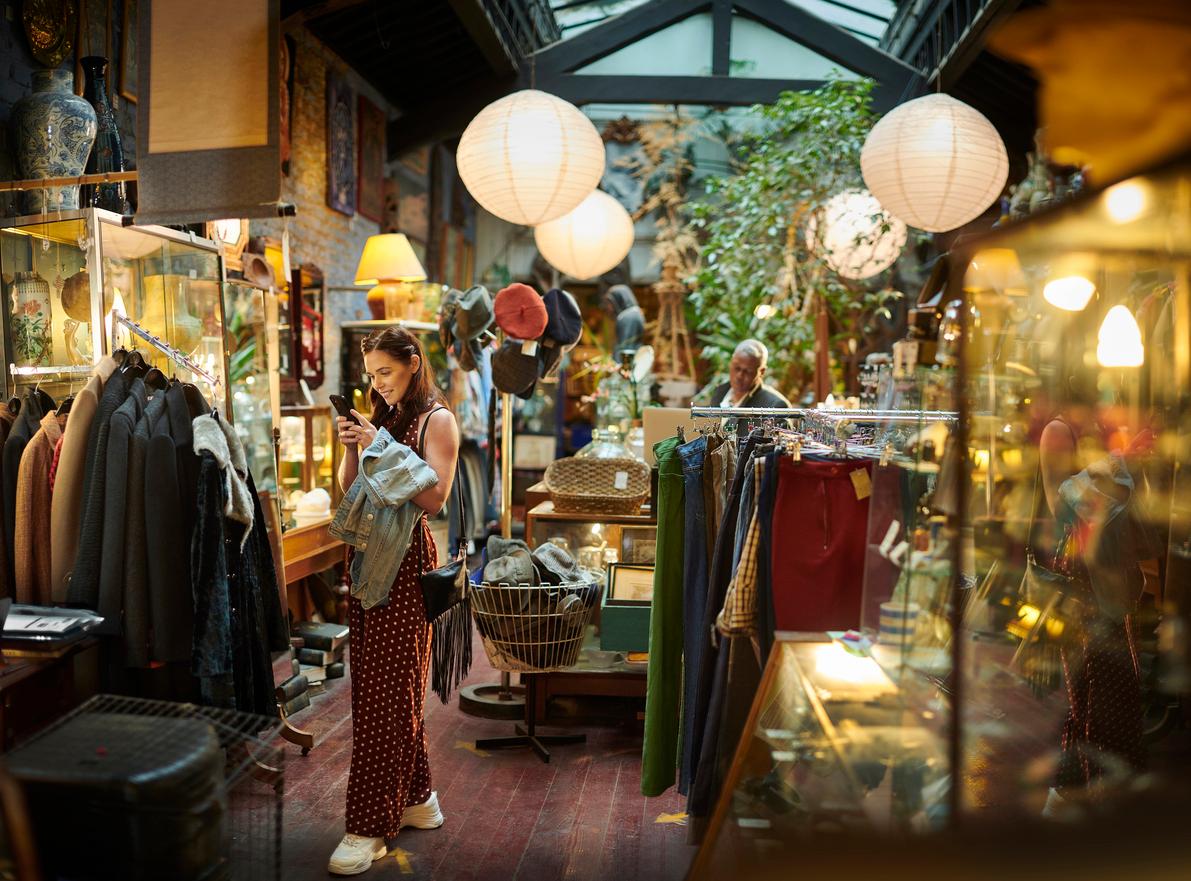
935, 162
1120, 340
1071, 292
588, 241
530, 157
1126, 202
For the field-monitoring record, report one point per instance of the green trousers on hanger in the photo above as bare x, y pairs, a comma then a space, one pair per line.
663, 695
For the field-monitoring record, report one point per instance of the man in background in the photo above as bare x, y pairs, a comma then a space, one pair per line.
745, 387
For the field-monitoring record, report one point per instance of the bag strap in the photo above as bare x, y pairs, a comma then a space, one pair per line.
456, 488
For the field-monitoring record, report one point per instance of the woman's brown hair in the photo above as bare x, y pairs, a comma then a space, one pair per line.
401, 345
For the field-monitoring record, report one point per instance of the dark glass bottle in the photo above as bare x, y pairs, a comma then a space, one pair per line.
107, 155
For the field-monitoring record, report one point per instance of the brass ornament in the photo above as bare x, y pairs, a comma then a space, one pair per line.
49, 28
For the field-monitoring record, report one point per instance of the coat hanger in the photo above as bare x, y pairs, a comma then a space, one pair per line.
64, 407
195, 402
134, 365
14, 405
156, 379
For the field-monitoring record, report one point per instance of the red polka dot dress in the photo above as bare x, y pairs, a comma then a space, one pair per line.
389, 658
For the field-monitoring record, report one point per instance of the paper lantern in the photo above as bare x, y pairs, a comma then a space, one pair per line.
588, 241
935, 163
1119, 343
851, 241
530, 157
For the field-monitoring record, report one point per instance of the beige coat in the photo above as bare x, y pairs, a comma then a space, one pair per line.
66, 511
32, 563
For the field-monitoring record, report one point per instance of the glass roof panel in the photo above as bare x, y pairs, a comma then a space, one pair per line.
762, 53
683, 49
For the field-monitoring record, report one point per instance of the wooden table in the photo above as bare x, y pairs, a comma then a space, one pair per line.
36, 691
586, 679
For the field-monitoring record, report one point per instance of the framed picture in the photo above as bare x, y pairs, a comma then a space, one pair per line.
286, 101
638, 545
370, 181
341, 145
413, 210
128, 50
417, 161
629, 583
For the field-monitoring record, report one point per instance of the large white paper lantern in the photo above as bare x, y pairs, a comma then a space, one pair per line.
846, 233
588, 241
530, 157
935, 163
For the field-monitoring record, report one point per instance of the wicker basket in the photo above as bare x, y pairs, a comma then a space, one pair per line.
598, 486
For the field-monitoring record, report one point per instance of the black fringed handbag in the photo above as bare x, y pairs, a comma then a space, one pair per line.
446, 595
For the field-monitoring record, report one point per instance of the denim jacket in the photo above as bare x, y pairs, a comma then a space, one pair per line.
377, 517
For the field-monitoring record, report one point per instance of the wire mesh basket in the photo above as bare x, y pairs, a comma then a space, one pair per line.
136, 789
529, 628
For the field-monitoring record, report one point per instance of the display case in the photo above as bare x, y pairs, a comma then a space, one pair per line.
595, 540
309, 455
829, 750
1076, 365
251, 314
64, 277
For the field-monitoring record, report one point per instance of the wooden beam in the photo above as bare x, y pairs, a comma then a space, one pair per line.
828, 40
487, 37
721, 37
710, 90
615, 33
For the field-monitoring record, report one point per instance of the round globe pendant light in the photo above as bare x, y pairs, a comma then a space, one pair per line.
530, 157
935, 163
588, 241
846, 233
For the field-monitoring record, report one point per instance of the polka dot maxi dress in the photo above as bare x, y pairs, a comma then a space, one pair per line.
389, 655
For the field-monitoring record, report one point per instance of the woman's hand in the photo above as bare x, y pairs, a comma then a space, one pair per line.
351, 434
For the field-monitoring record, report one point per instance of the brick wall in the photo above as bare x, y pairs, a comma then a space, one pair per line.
318, 234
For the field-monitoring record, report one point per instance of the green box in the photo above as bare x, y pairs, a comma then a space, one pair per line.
624, 625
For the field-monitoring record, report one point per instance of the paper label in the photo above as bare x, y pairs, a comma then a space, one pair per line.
622, 480
285, 265
862, 483
529, 347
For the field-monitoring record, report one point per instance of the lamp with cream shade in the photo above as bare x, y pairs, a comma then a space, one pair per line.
390, 264
935, 163
590, 240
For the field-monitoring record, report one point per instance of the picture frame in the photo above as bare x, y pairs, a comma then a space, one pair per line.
630, 584
128, 50
638, 545
341, 144
413, 209
370, 175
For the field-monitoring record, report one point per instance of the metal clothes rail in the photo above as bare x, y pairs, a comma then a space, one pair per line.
871, 416
162, 346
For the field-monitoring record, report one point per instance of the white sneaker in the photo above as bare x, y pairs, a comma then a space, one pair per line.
355, 854
423, 816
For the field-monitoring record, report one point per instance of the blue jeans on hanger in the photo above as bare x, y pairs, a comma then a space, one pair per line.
694, 593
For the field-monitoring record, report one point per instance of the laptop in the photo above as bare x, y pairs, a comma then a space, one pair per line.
663, 422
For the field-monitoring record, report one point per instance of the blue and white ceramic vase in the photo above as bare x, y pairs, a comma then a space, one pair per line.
54, 129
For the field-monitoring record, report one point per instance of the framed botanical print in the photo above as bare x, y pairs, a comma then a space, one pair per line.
638, 544
128, 50
630, 584
370, 181
341, 144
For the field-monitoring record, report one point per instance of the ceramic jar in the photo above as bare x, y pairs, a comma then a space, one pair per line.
32, 324
108, 154
54, 130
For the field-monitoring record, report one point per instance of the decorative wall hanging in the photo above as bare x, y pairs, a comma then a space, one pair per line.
50, 29
208, 146
370, 182
128, 51
286, 99
341, 144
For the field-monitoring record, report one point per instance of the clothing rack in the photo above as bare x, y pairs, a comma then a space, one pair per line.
831, 412
162, 346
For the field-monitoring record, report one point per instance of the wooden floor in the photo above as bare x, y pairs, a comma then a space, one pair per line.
508, 815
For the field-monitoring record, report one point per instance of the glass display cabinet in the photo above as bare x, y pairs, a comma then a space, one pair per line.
252, 375
1076, 366
64, 277
309, 455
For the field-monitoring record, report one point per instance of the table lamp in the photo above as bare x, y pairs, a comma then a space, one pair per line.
389, 263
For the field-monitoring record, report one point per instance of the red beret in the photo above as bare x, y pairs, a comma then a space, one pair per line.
520, 312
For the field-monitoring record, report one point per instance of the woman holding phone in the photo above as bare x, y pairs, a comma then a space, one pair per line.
389, 784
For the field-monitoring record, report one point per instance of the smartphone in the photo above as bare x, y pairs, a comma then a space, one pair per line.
343, 408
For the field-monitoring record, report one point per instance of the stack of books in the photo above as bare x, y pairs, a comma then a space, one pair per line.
321, 658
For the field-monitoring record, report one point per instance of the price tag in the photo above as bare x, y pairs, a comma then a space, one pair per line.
622, 480
529, 347
285, 264
862, 483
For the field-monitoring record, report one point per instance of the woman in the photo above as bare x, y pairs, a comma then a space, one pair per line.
389, 783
